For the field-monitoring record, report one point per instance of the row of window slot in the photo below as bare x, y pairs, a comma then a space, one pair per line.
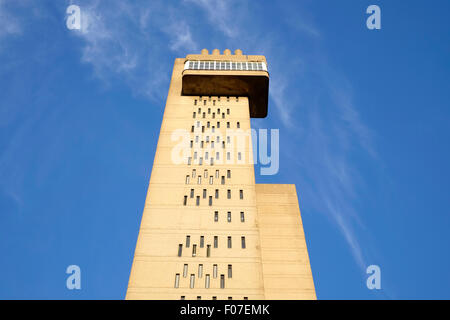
208, 246
200, 275
205, 175
196, 101
202, 244
211, 159
207, 140
213, 298
213, 128
210, 198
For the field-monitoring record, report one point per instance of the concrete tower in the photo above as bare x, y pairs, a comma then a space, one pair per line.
208, 231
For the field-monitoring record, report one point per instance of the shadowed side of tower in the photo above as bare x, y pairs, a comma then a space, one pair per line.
208, 231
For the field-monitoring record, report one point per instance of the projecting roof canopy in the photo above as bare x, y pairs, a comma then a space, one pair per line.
249, 79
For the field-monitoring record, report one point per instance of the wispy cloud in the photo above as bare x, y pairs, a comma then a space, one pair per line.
124, 39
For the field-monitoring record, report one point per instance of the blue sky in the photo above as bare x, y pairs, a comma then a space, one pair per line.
363, 118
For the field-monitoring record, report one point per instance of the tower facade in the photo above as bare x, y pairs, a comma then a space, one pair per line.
208, 231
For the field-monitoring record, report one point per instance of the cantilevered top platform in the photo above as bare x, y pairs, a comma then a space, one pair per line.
228, 75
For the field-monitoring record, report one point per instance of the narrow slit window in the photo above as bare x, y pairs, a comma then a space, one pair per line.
192, 282
222, 281
217, 174
229, 242
202, 241
205, 173
211, 179
197, 202
241, 194
204, 193
177, 280
199, 179
229, 194
229, 216
243, 242
185, 201
180, 250
215, 271
194, 250
217, 194
216, 216
230, 271
242, 216
192, 193
207, 281
228, 174
208, 250
210, 200
216, 241
188, 241
222, 180
185, 271
200, 270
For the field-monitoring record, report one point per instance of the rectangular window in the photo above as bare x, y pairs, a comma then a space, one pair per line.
192, 193
210, 200
223, 115
193, 115
243, 242
194, 250
204, 115
239, 156
209, 110
188, 241
204, 193
229, 216
205, 174
192, 282
241, 194
208, 250
228, 111
218, 124
242, 216
222, 281
228, 125
197, 202
228, 139
217, 193
218, 139
180, 250
230, 271
199, 180
230, 298
229, 242
202, 241
207, 281
183, 298
177, 280
216, 241
185, 271
200, 162
228, 174
192, 129
194, 173
185, 201
216, 216
214, 298
245, 298
238, 125
228, 156
195, 102
217, 174
200, 270
215, 271
222, 180
199, 297
229, 194
189, 161
217, 156
211, 179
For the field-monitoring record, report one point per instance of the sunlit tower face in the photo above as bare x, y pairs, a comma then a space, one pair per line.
208, 231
